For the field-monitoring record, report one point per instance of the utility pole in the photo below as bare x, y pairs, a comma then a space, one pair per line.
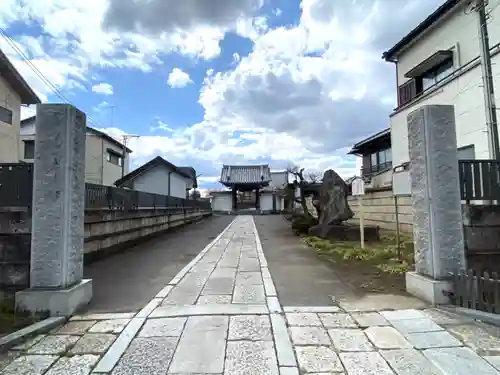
487, 77
124, 149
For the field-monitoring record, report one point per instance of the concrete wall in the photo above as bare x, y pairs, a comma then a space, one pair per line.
266, 202
105, 231
379, 209
9, 133
156, 179
463, 90
222, 202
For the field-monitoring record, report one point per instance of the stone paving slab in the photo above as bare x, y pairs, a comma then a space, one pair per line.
221, 315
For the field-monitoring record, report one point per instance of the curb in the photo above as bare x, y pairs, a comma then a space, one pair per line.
482, 316
19, 336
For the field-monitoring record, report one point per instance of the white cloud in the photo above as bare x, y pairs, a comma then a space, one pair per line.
103, 88
178, 79
305, 92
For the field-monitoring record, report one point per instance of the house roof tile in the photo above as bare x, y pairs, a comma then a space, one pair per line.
245, 174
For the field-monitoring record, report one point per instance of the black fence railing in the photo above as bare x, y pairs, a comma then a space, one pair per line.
16, 184
479, 179
16, 190
374, 169
98, 196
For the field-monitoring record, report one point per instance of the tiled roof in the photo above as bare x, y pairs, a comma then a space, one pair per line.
245, 174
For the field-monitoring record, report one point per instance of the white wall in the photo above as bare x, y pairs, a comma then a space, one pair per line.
156, 181
222, 202
458, 32
266, 201
9, 133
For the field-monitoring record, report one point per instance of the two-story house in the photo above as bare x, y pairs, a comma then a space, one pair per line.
376, 154
14, 92
438, 63
106, 159
159, 176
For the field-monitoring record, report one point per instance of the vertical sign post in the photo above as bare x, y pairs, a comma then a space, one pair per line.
358, 190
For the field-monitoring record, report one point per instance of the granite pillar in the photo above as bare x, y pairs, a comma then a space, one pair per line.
437, 214
56, 285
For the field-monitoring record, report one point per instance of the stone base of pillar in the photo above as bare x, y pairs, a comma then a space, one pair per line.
427, 289
55, 302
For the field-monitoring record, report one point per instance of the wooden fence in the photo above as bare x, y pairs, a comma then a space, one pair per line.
475, 291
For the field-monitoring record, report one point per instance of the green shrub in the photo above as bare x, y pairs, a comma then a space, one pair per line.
394, 268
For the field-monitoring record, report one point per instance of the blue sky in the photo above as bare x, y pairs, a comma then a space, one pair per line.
249, 81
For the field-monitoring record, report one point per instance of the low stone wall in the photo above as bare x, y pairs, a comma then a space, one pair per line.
105, 231
379, 208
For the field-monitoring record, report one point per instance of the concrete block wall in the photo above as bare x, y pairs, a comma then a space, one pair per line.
104, 231
113, 229
379, 208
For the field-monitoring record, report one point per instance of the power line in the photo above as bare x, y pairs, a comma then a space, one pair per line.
38, 73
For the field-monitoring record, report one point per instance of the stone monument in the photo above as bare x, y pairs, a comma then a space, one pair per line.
332, 200
56, 285
435, 191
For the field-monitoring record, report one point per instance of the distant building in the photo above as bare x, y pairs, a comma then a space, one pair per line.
159, 176
14, 91
253, 187
104, 155
376, 153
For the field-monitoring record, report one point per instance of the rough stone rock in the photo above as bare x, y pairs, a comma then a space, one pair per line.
332, 201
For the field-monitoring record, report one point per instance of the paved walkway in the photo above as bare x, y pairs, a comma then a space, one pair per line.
221, 315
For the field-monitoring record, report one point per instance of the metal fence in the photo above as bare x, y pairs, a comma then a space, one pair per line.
16, 184
16, 190
98, 196
479, 179
475, 291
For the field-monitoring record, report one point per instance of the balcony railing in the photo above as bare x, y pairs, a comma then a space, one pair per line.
479, 180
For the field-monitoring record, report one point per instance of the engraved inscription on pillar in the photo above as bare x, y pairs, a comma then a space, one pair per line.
437, 215
58, 197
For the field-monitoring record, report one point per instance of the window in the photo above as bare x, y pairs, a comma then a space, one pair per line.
114, 158
5, 115
433, 76
29, 150
422, 81
380, 160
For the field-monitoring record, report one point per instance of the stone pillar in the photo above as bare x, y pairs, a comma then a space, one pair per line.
437, 214
56, 285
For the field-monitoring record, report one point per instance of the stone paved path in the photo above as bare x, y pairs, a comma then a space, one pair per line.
221, 315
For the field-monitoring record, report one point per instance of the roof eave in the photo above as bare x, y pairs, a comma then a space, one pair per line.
18, 83
391, 54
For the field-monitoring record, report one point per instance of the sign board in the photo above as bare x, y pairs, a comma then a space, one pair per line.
358, 186
401, 183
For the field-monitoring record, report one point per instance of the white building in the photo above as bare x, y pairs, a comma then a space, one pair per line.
438, 63
14, 91
159, 176
104, 159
